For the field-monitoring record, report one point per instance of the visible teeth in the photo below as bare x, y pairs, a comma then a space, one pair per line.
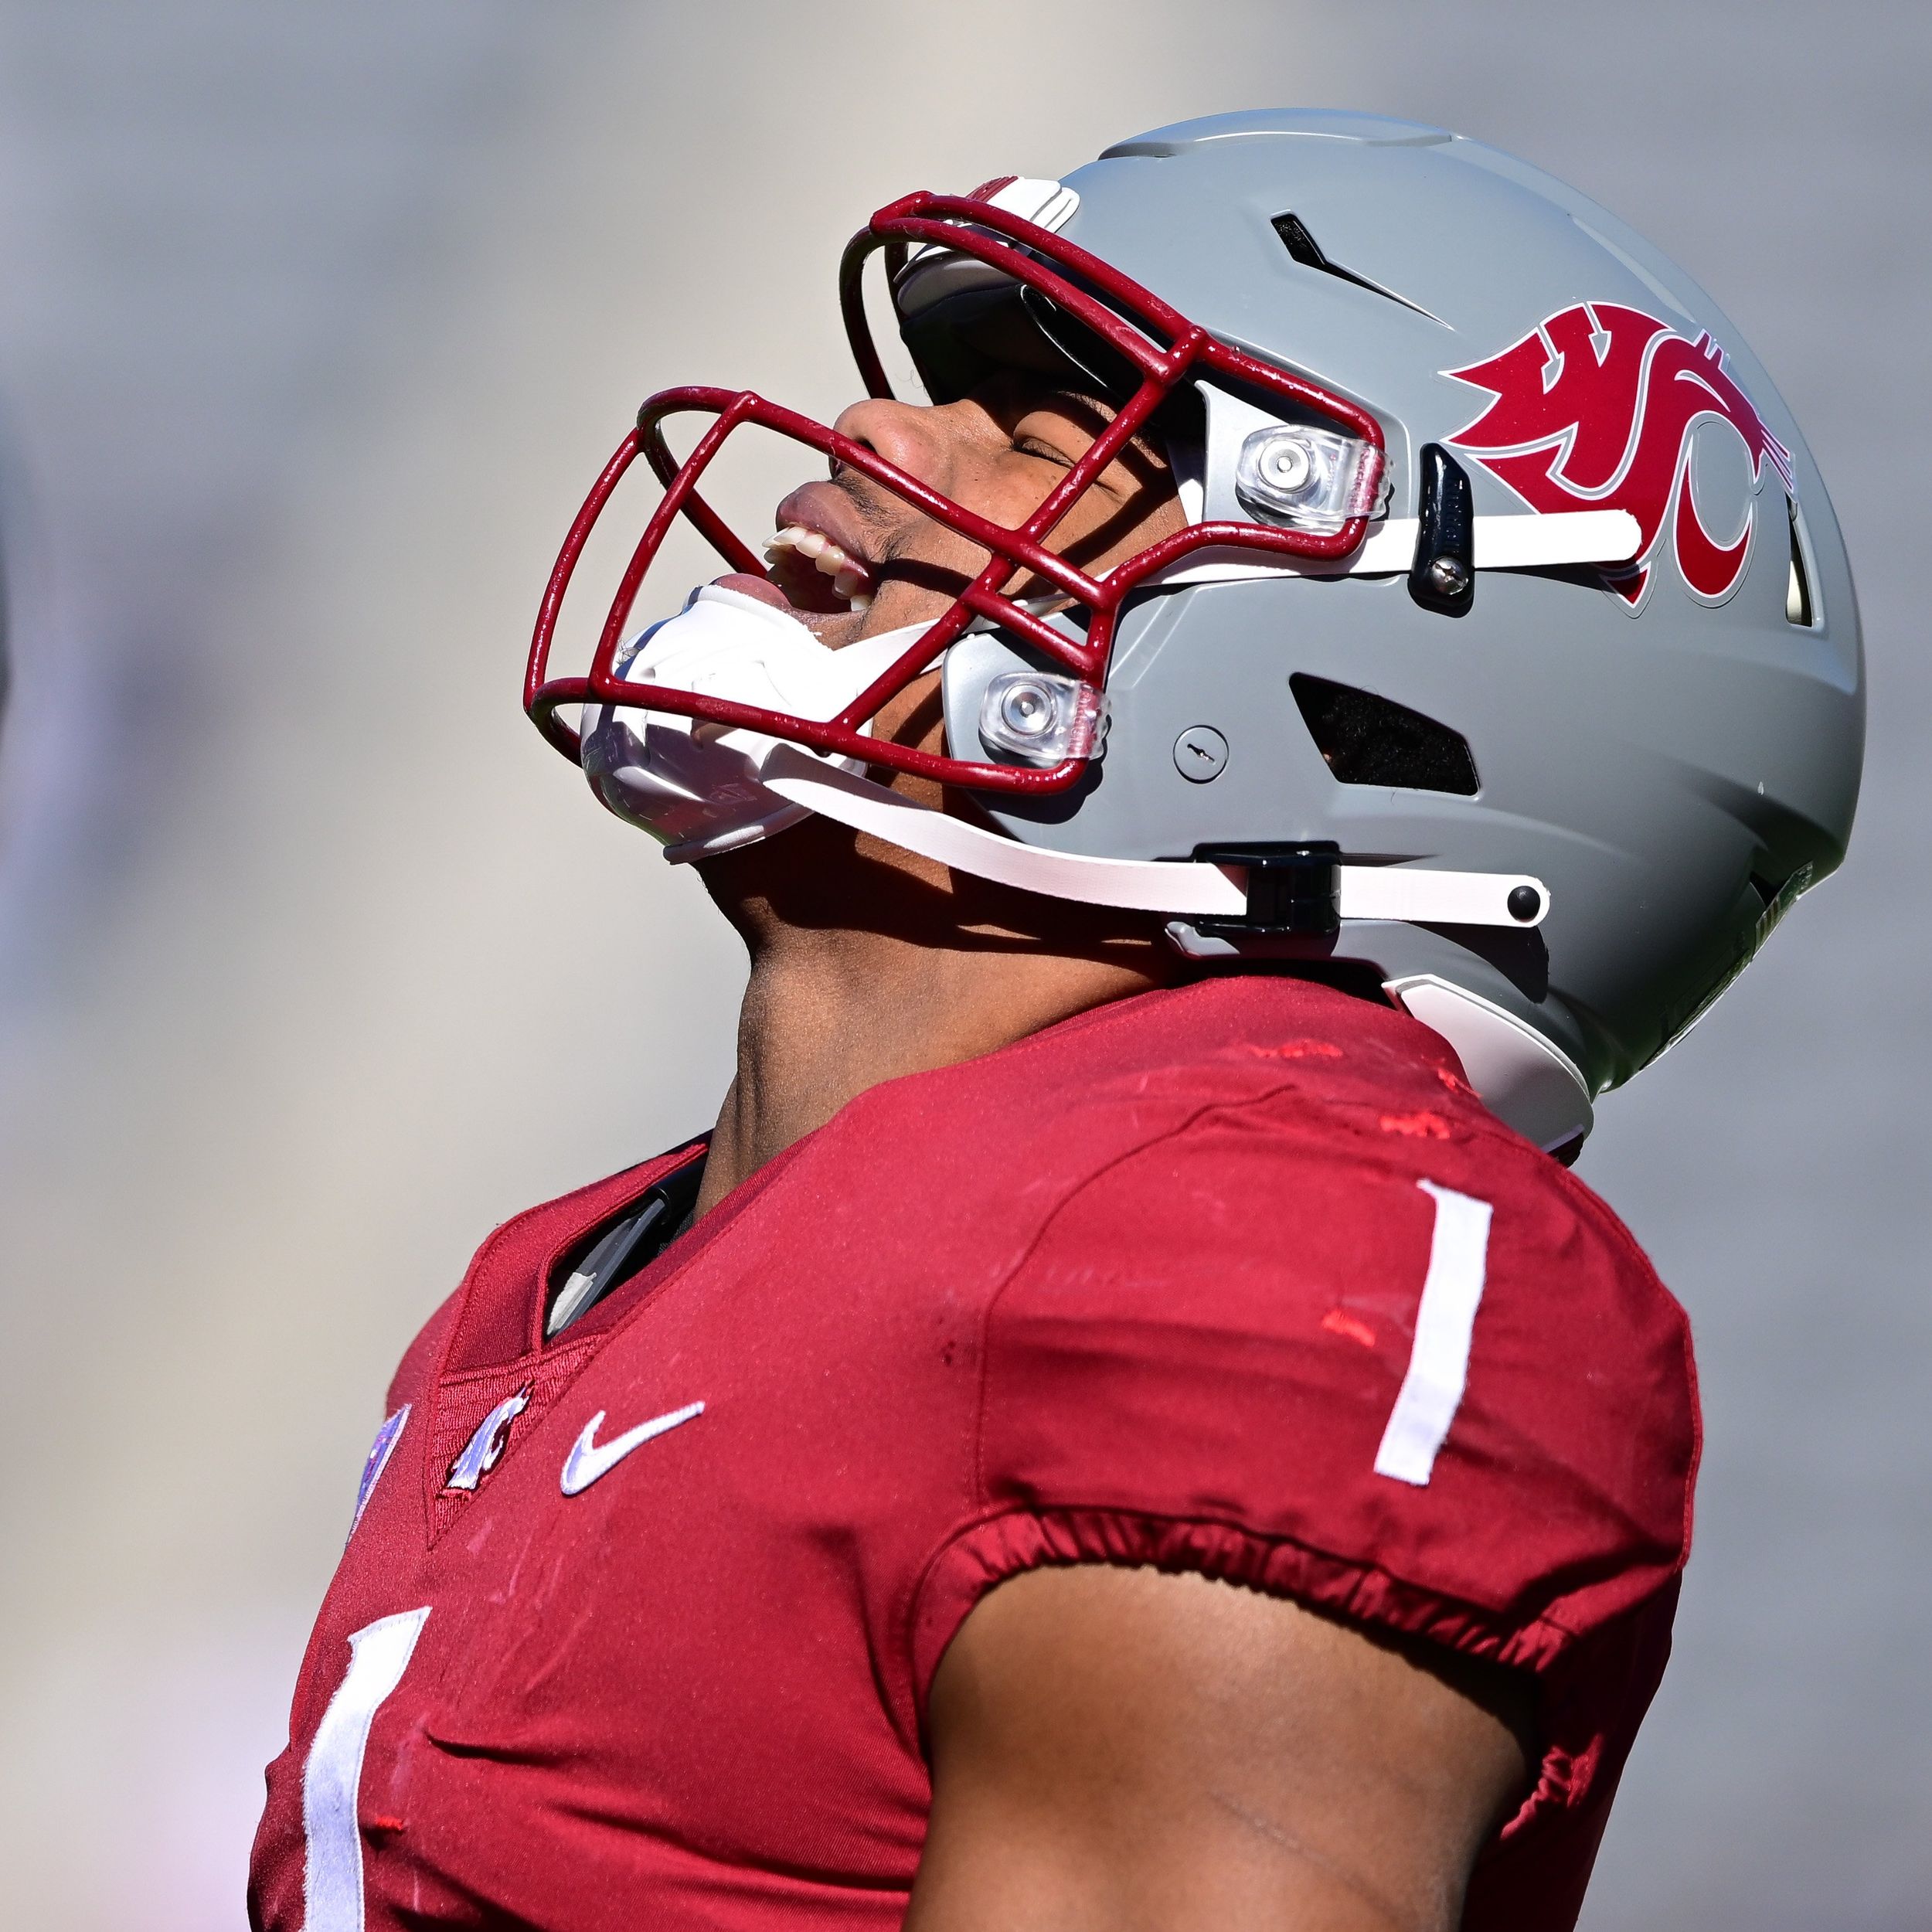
848, 578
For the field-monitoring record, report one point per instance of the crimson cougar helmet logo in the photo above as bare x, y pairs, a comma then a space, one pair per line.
1595, 409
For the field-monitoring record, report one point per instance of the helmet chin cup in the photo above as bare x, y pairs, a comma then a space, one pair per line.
699, 788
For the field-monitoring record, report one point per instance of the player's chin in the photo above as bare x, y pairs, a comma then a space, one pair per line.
836, 629
835, 622
896, 604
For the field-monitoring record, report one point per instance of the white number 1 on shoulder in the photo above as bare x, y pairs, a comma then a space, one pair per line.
379, 1653
1431, 1391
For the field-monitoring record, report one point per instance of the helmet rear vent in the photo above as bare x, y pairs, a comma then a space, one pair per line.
1800, 606
1304, 248
1368, 740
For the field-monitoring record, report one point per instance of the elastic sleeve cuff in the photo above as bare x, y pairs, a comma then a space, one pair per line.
1573, 1684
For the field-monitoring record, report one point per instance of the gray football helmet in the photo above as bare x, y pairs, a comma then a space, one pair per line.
1511, 651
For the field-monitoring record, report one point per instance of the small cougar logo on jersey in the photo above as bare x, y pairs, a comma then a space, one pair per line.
484, 1449
1594, 409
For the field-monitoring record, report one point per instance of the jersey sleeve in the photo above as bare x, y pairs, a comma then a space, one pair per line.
1412, 1375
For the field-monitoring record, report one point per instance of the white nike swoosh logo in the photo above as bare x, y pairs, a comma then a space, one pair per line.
588, 1459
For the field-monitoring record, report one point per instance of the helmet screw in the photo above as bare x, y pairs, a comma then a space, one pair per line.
1200, 754
1524, 902
1448, 576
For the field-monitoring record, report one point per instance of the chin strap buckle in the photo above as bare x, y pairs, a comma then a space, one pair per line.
1291, 888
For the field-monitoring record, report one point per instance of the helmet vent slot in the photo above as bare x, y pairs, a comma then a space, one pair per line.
1368, 740
1800, 606
1304, 248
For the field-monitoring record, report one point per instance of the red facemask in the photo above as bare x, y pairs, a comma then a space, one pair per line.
1161, 350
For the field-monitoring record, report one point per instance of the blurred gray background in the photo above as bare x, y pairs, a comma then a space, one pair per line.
314, 322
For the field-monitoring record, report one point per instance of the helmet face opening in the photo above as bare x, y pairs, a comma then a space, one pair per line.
1140, 349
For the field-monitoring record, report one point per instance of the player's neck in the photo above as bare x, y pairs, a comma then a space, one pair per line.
828, 1014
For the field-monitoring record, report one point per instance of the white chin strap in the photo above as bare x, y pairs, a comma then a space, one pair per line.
1185, 889
709, 793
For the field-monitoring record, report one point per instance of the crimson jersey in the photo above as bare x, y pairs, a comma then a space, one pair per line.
636, 1629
